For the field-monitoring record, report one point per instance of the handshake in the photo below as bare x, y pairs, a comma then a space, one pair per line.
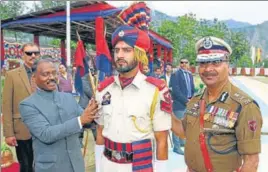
90, 112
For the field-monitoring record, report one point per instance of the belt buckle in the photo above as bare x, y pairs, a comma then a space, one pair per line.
129, 156
116, 154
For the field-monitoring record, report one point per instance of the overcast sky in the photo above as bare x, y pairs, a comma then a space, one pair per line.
254, 12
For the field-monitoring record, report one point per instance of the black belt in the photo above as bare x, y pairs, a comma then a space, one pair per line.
117, 156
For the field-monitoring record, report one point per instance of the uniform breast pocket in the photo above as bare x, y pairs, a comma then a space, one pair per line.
191, 124
140, 120
107, 115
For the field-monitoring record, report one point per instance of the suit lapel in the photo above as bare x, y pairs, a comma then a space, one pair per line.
24, 78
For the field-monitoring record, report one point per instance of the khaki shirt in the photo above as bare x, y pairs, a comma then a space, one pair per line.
119, 108
232, 110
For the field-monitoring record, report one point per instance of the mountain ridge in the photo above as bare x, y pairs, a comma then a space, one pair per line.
256, 34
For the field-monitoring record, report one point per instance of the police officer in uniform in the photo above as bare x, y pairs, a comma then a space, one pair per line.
135, 109
222, 125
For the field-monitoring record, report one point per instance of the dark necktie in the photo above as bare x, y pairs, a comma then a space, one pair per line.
33, 84
187, 79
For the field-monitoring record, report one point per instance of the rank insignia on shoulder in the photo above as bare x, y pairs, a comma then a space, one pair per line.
242, 99
106, 99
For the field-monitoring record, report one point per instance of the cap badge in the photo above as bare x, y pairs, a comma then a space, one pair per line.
121, 33
207, 43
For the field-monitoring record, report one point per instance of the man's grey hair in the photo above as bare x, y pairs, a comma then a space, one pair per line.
38, 62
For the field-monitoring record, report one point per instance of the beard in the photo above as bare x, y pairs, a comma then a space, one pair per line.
124, 69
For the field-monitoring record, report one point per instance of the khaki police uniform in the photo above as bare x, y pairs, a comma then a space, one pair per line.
234, 110
126, 115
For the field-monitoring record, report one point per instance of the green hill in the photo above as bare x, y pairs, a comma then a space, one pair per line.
258, 36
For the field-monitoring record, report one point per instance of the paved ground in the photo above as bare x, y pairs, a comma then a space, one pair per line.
89, 158
261, 79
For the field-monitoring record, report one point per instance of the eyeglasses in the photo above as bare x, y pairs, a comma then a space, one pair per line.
30, 53
215, 63
184, 62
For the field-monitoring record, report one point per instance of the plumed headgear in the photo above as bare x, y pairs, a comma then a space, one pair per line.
134, 32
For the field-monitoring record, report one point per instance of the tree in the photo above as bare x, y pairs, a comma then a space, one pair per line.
212, 28
11, 9
187, 30
46, 4
181, 34
239, 45
244, 61
265, 63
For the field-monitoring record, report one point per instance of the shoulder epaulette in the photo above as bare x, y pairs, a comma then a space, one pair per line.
160, 84
14, 70
105, 83
241, 99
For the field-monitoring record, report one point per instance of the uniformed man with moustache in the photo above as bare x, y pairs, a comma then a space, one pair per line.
222, 125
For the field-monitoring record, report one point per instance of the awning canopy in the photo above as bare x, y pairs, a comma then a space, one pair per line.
52, 22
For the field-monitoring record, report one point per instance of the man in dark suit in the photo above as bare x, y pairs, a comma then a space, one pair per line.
182, 89
83, 102
18, 86
167, 75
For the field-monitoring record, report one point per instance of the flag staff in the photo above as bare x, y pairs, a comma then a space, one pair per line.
68, 34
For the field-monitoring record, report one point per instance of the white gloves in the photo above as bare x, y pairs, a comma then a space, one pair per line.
161, 165
98, 153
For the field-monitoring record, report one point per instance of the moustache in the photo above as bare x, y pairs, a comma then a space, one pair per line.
121, 60
52, 81
206, 74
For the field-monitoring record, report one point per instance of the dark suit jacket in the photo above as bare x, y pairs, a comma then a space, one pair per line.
87, 92
178, 89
